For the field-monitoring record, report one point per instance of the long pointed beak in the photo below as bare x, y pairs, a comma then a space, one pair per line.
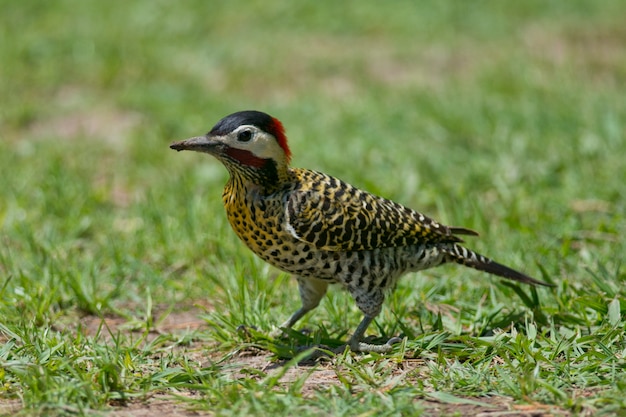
198, 143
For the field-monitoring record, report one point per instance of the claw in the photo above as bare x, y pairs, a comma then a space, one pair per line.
244, 330
394, 341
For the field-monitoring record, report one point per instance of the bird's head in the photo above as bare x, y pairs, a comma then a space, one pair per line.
249, 141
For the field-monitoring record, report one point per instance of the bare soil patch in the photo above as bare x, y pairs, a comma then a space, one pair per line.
155, 406
9, 407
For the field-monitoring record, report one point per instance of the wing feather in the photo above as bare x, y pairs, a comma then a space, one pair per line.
336, 216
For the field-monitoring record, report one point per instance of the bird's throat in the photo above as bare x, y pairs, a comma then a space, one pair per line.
263, 172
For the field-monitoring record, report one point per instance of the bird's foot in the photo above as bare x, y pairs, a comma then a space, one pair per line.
357, 346
317, 353
277, 333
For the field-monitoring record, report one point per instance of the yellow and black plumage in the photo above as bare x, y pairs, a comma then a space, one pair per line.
322, 229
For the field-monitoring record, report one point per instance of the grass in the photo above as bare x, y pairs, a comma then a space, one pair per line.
505, 118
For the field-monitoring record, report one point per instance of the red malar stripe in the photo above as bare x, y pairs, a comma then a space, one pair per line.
246, 157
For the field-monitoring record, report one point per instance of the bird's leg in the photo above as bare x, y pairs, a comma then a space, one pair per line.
370, 304
311, 292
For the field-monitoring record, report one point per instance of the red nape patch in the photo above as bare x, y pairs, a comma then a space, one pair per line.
246, 157
277, 129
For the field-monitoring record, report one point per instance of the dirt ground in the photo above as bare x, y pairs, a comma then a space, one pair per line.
162, 405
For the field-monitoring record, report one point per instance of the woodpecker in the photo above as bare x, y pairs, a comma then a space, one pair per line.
323, 230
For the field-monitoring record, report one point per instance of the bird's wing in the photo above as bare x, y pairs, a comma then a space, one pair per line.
333, 215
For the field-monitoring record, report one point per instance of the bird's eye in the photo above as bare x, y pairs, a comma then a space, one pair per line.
244, 136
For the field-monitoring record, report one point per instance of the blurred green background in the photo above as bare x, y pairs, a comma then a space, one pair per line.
505, 117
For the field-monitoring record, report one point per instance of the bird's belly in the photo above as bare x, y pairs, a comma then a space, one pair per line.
370, 268
268, 238
296, 257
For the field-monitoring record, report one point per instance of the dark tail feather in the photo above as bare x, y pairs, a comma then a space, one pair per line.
464, 256
462, 231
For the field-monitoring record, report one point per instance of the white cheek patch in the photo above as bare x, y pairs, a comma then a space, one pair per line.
265, 146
